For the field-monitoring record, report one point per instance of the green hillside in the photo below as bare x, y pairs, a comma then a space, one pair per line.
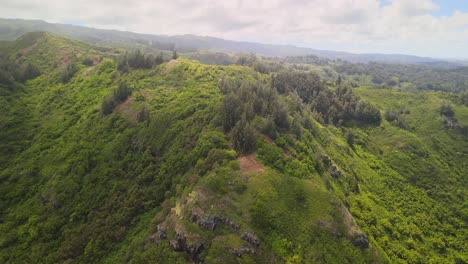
109, 157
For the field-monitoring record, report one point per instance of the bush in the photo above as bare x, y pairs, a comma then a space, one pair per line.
108, 105
118, 96
350, 138
143, 115
87, 61
29, 71
68, 71
395, 118
446, 110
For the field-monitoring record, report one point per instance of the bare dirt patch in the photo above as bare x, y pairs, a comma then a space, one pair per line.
170, 66
250, 164
125, 109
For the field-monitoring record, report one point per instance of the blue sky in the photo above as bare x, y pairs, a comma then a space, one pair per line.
447, 7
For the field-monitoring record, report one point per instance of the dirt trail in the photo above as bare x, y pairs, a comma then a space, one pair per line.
250, 164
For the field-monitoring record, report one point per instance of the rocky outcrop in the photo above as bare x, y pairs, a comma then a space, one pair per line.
179, 244
251, 239
161, 233
326, 160
354, 235
360, 240
335, 172
193, 249
210, 222
242, 250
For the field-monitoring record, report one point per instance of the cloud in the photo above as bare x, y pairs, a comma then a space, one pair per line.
398, 26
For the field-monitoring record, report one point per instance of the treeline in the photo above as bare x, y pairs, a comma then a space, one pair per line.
120, 94
11, 72
337, 107
422, 77
309, 59
464, 98
138, 60
249, 105
261, 65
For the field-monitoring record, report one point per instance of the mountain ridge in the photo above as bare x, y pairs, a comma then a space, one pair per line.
120, 160
12, 28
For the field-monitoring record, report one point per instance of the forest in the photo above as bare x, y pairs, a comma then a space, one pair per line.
113, 155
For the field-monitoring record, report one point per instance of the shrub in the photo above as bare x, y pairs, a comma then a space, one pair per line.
118, 96
143, 115
446, 110
68, 71
29, 71
87, 61
395, 118
350, 138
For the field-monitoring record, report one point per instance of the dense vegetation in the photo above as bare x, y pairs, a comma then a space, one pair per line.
110, 156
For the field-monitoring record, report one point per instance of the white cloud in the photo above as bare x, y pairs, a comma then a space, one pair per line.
400, 26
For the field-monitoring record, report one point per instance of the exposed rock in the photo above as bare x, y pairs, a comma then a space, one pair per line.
161, 233
242, 250
360, 240
251, 239
326, 160
193, 250
335, 172
179, 244
194, 218
229, 222
211, 221
355, 235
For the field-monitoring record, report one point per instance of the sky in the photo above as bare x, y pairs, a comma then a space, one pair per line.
432, 28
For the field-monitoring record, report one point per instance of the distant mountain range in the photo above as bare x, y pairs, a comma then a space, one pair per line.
10, 29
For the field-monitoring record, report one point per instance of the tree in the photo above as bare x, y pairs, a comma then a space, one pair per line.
108, 105
159, 59
174, 55
136, 59
306, 85
68, 71
29, 71
150, 61
350, 138
464, 98
230, 111
281, 116
338, 81
122, 92
122, 63
243, 136
367, 113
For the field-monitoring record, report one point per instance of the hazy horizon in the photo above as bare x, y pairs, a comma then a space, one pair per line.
437, 29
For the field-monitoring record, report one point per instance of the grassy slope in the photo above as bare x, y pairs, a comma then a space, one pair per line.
87, 188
